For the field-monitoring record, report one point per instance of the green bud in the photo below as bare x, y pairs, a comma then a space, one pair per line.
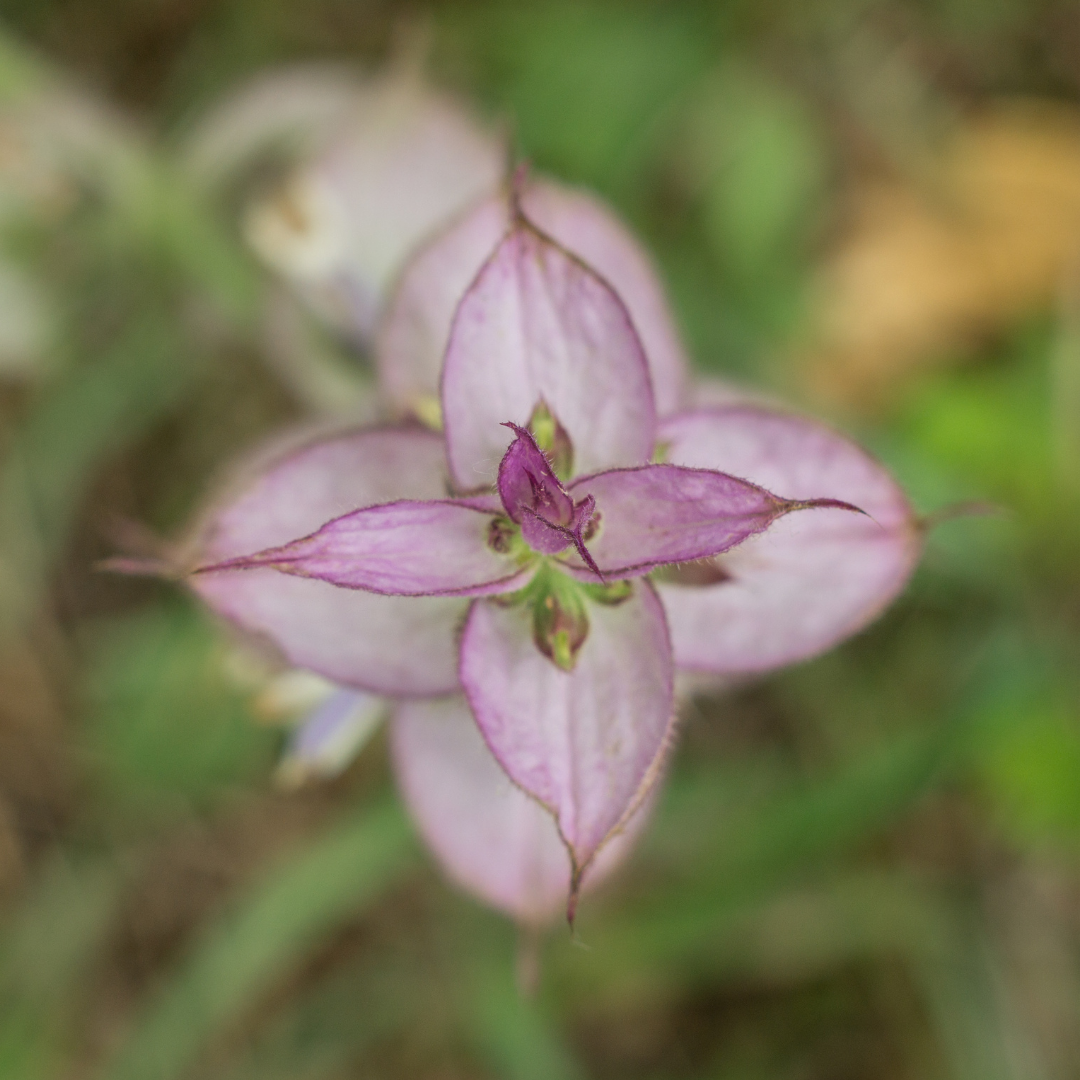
560, 620
553, 439
505, 538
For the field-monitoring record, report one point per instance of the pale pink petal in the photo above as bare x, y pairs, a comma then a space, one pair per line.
661, 514
813, 578
491, 838
391, 645
586, 743
538, 326
415, 330
437, 547
584, 225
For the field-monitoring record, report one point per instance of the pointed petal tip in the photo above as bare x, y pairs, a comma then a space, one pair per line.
416, 325
411, 547
824, 504
572, 899
491, 838
584, 743
399, 646
810, 580
519, 180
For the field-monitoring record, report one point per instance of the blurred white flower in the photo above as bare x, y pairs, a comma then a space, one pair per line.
405, 160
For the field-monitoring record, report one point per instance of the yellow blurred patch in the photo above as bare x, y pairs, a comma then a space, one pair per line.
924, 273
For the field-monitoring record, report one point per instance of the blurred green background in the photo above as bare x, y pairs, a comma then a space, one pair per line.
864, 868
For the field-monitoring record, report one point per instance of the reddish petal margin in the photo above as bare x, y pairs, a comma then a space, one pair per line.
388, 644
437, 547
537, 325
812, 579
587, 744
492, 839
661, 514
416, 327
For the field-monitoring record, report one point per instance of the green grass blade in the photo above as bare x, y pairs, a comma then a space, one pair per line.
261, 938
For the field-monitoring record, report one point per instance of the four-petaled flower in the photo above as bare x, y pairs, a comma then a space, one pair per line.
553, 551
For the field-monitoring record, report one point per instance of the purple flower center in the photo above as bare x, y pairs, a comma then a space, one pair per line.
535, 499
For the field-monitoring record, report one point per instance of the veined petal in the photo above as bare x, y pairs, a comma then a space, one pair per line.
387, 644
812, 579
491, 838
584, 225
414, 333
538, 325
404, 548
411, 340
661, 514
586, 743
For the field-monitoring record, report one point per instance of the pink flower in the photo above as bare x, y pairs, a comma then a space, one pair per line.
557, 553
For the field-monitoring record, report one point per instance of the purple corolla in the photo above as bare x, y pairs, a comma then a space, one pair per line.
555, 554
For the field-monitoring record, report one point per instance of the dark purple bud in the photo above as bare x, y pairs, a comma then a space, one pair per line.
528, 482
534, 498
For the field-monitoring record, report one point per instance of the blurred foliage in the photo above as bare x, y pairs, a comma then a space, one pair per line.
865, 867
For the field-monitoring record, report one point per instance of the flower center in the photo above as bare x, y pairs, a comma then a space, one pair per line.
535, 499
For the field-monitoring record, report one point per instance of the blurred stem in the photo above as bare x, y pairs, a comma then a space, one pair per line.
510, 1030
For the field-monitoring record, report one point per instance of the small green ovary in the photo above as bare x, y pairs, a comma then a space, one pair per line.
559, 607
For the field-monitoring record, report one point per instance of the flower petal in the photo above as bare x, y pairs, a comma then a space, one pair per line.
582, 224
405, 548
411, 341
493, 840
391, 645
812, 579
406, 161
331, 736
661, 514
586, 743
414, 333
537, 326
